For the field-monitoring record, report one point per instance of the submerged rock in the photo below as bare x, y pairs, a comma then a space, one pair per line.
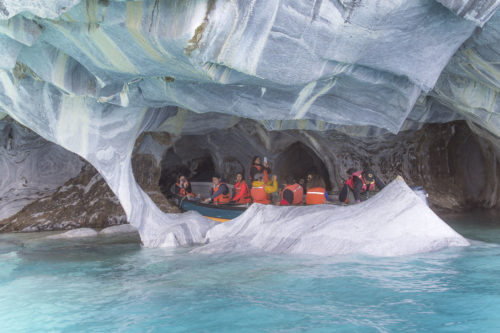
75, 233
118, 230
394, 222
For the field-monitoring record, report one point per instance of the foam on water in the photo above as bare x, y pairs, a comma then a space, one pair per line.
394, 222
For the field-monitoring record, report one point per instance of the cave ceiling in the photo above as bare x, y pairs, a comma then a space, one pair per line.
313, 65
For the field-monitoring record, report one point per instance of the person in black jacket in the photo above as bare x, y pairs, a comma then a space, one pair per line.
257, 167
359, 182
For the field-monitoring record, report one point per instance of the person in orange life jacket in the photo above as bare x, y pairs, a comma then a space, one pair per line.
219, 192
257, 167
359, 182
183, 187
292, 193
242, 193
261, 191
316, 192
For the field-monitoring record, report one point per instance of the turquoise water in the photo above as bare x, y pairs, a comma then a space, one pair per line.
111, 284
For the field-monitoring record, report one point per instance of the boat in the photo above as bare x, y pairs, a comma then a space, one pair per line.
224, 213
219, 213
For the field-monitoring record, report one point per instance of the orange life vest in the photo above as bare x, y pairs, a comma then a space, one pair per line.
264, 172
245, 196
259, 195
367, 186
182, 191
315, 196
221, 198
298, 193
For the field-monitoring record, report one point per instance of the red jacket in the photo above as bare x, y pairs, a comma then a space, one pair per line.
242, 195
366, 186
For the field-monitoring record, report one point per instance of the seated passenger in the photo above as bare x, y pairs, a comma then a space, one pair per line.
183, 187
219, 192
261, 191
359, 182
307, 180
242, 193
292, 194
316, 192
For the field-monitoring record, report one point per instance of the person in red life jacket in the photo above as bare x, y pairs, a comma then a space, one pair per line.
183, 188
219, 192
257, 167
359, 182
242, 193
261, 191
316, 192
292, 193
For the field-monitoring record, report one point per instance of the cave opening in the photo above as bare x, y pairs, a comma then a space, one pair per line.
298, 160
200, 169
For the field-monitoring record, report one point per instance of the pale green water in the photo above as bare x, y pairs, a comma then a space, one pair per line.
113, 285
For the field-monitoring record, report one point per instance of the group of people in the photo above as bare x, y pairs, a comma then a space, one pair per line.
263, 188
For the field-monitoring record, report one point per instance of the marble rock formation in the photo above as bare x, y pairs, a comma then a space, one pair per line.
394, 222
92, 75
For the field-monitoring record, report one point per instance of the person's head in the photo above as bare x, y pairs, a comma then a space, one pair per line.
302, 181
368, 175
316, 181
239, 177
350, 171
288, 196
309, 177
216, 180
256, 160
289, 180
182, 179
258, 177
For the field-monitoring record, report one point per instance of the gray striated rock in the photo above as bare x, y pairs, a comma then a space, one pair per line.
82, 201
31, 167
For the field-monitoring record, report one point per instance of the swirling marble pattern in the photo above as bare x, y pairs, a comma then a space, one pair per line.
92, 75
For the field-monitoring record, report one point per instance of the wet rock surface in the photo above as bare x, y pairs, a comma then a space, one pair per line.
83, 201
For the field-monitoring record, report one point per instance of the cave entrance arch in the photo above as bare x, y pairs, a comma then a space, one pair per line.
195, 168
298, 160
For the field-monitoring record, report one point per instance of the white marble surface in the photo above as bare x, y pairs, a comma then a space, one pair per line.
394, 222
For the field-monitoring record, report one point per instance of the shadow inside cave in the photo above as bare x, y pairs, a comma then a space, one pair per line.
298, 160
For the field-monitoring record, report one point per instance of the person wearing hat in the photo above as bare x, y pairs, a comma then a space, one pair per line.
359, 182
261, 191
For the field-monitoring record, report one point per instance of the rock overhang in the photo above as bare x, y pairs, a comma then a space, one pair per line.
92, 75
340, 63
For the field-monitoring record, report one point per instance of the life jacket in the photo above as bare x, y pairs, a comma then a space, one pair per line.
245, 198
221, 198
182, 191
367, 186
262, 170
315, 196
298, 193
259, 195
